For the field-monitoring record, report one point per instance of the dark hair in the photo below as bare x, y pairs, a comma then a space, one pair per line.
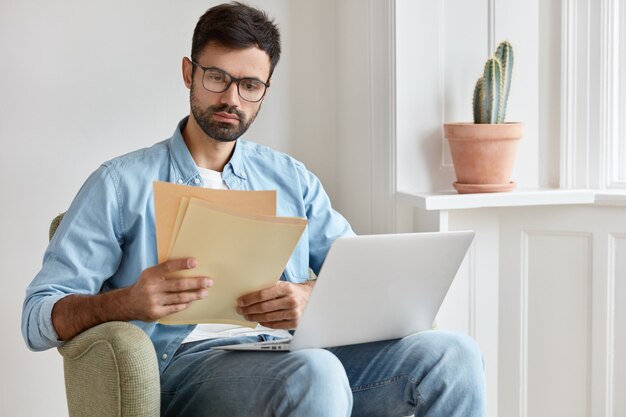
236, 25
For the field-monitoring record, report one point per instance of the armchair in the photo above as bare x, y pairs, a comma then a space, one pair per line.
110, 370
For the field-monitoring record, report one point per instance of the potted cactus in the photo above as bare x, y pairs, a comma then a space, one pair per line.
483, 152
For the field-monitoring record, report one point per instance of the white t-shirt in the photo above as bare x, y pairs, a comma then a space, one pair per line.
213, 179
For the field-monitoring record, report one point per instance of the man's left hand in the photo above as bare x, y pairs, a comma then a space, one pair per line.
277, 307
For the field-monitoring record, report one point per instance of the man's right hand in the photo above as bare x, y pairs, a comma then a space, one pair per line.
152, 297
155, 295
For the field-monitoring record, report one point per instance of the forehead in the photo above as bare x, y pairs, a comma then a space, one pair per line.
248, 62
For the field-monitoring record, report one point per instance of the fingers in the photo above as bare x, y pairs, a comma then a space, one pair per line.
274, 316
156, 295
183, 291
186, 297
175, 265
280, 289
278, 307
186, 284
283, 303
161, 271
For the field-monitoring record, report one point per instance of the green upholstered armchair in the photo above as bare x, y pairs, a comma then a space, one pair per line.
110, 370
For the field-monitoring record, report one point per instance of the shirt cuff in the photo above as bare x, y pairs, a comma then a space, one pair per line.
47, 334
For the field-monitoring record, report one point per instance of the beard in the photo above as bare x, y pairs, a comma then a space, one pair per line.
220, 131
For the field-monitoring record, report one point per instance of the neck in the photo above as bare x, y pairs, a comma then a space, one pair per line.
206, 152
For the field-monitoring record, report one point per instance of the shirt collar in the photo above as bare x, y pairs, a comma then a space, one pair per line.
236, 160
183, 161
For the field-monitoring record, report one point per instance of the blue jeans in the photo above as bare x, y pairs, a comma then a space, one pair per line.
431, 374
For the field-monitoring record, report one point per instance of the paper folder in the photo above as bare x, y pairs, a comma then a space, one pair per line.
167, 197
241, 252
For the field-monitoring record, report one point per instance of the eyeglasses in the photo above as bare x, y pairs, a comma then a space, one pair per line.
218, 81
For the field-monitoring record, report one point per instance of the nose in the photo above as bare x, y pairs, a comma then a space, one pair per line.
231, 95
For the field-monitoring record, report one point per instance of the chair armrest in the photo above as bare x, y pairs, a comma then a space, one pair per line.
111, 370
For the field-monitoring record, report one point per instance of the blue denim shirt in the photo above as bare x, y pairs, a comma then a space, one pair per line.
107, 237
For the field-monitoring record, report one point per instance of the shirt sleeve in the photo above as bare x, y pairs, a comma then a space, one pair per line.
325, 224
84, 252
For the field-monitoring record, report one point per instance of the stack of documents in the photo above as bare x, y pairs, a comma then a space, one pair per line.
235, 236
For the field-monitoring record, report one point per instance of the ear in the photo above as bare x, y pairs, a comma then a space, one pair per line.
187, 72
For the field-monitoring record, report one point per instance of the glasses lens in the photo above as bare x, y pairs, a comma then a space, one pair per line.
218, 81
251, 90
215, 80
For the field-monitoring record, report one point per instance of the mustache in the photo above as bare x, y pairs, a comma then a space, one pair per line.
225, 108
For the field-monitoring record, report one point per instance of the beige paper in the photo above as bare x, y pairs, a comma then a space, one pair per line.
182, 210
242, 253
167, 201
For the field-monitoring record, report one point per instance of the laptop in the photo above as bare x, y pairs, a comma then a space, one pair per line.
376, 287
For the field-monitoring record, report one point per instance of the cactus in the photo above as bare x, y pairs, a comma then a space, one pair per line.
504, 53
492, 89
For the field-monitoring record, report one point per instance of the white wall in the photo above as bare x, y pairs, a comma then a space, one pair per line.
441, 50
82, 82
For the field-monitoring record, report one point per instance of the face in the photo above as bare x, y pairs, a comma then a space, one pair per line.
225, 116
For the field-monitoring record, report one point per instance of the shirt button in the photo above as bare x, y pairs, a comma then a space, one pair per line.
180, 181
164, 356
196, 180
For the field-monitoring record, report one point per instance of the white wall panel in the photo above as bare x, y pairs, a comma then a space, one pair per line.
471, 305
617, 274
364, 119
556, 326
562, 345
592, 143
621, 109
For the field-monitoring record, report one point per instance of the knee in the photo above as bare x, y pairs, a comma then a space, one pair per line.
319, 374
449, 373
462, 348
318, 366
458, 356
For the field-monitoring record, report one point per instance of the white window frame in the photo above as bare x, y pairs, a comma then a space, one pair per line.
590, 95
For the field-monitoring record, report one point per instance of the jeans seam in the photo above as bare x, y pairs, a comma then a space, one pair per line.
420, 398
282, 383
379, 383
245, 377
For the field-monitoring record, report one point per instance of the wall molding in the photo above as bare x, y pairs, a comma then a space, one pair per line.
365, 74
523, 337
526, 237
611, 394
446, 158
382, 44
569, 32
473, 292
609, 66
491, 23
589, 94
610, 328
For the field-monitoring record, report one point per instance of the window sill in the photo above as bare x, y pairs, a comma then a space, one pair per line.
611, 197
529, 197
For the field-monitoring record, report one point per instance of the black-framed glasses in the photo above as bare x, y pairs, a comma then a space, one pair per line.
217, 81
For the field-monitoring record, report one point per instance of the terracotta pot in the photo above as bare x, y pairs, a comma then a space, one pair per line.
483, 155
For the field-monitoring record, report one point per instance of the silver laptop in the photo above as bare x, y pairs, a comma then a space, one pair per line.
376, 287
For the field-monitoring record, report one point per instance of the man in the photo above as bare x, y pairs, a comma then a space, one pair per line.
101, 265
